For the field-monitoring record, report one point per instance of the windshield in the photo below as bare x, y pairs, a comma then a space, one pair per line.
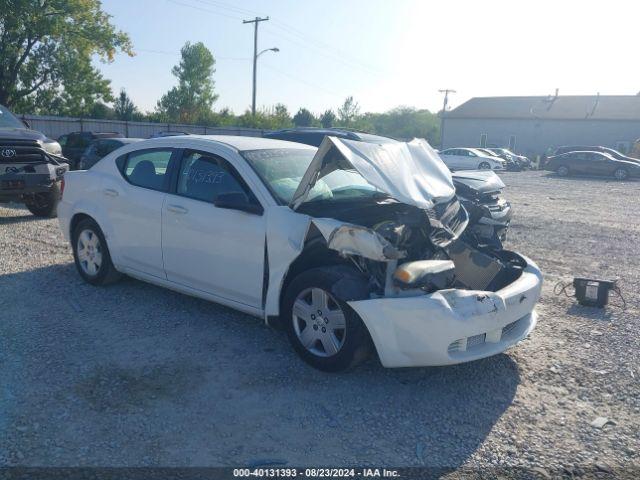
8, 120
282, 169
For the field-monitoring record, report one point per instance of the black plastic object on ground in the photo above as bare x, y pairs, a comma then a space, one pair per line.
592, 292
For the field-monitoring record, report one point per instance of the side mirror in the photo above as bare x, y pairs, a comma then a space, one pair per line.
237, 201
26, 124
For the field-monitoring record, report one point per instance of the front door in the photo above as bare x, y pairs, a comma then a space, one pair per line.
212, 249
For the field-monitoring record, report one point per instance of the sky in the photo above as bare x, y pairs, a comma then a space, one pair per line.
385, 53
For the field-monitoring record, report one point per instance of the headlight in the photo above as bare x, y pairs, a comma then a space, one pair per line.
52, 147
437, 274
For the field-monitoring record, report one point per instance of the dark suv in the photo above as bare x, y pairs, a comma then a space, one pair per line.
74, 144
31, 168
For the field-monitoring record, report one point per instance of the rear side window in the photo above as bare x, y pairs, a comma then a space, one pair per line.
205, 176
148, 168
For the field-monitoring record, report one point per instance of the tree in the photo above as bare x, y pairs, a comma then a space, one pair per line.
46, 48
280, 117
193, 98
405, 123
304, 118
328, 118
124, 107
348, 112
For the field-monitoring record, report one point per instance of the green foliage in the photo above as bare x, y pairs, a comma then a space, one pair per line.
304, 118
124, 108
328, 119
405, 123
46, 47
348, 112
193, 97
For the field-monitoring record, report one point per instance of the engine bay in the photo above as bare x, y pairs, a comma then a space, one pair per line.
412, 244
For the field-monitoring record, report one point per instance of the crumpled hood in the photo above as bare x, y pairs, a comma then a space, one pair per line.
481, 181
412, 172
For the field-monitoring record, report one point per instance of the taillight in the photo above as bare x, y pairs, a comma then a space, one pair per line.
61, 187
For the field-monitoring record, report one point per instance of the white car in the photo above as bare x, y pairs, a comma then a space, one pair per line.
470, 159
348, 247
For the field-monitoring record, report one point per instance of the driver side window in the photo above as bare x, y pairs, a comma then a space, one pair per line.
204, 176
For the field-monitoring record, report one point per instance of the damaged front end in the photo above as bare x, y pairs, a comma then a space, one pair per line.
425, 283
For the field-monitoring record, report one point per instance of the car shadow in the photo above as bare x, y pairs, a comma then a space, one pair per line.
19, 219
194, 382
594, 178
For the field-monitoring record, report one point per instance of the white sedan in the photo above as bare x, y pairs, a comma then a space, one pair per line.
350, 247
471, 159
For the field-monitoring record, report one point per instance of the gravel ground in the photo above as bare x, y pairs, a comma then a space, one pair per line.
135, 375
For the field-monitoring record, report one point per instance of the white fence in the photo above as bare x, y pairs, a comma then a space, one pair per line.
53, 127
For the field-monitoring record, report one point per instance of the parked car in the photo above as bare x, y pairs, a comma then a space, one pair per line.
74, 144
506, 154
592, 163
346, 246
314, 136
614, 153
11, 127
167, 134
470, 159
479, 192
31, 168
100, 148
510, 165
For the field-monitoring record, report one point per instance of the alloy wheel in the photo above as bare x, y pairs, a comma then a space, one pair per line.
620, 174
319, 322
89, 251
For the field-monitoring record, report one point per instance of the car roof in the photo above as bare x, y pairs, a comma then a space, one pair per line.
239, 143
124, 141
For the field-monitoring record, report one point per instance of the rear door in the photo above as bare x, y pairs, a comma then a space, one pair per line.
208, 248
134, 207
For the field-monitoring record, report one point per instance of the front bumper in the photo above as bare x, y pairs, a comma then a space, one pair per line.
15, 184
452, 326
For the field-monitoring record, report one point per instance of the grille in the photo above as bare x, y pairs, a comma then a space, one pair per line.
26, 151
513, 326
476, 340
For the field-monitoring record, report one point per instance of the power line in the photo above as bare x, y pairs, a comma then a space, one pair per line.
174, 53
297, 79
291, 35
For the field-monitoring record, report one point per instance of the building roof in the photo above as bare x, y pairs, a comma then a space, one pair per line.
562, 107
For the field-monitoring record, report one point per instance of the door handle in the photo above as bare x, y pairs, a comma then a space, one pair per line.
177, 209
110, 192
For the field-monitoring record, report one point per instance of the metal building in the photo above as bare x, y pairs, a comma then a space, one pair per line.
533, 125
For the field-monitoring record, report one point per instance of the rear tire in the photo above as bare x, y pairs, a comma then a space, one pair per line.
91, 254
621, 174
45, 204
562, 170
320, 319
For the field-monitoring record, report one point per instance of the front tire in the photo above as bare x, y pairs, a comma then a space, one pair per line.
621, 174
324, 331
562, 171
45, 204
91, 254
484, 166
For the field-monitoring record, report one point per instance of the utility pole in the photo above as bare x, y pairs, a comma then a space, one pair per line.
446, 92
255, 22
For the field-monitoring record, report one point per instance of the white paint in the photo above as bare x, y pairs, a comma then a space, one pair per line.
412, 173
218, 254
